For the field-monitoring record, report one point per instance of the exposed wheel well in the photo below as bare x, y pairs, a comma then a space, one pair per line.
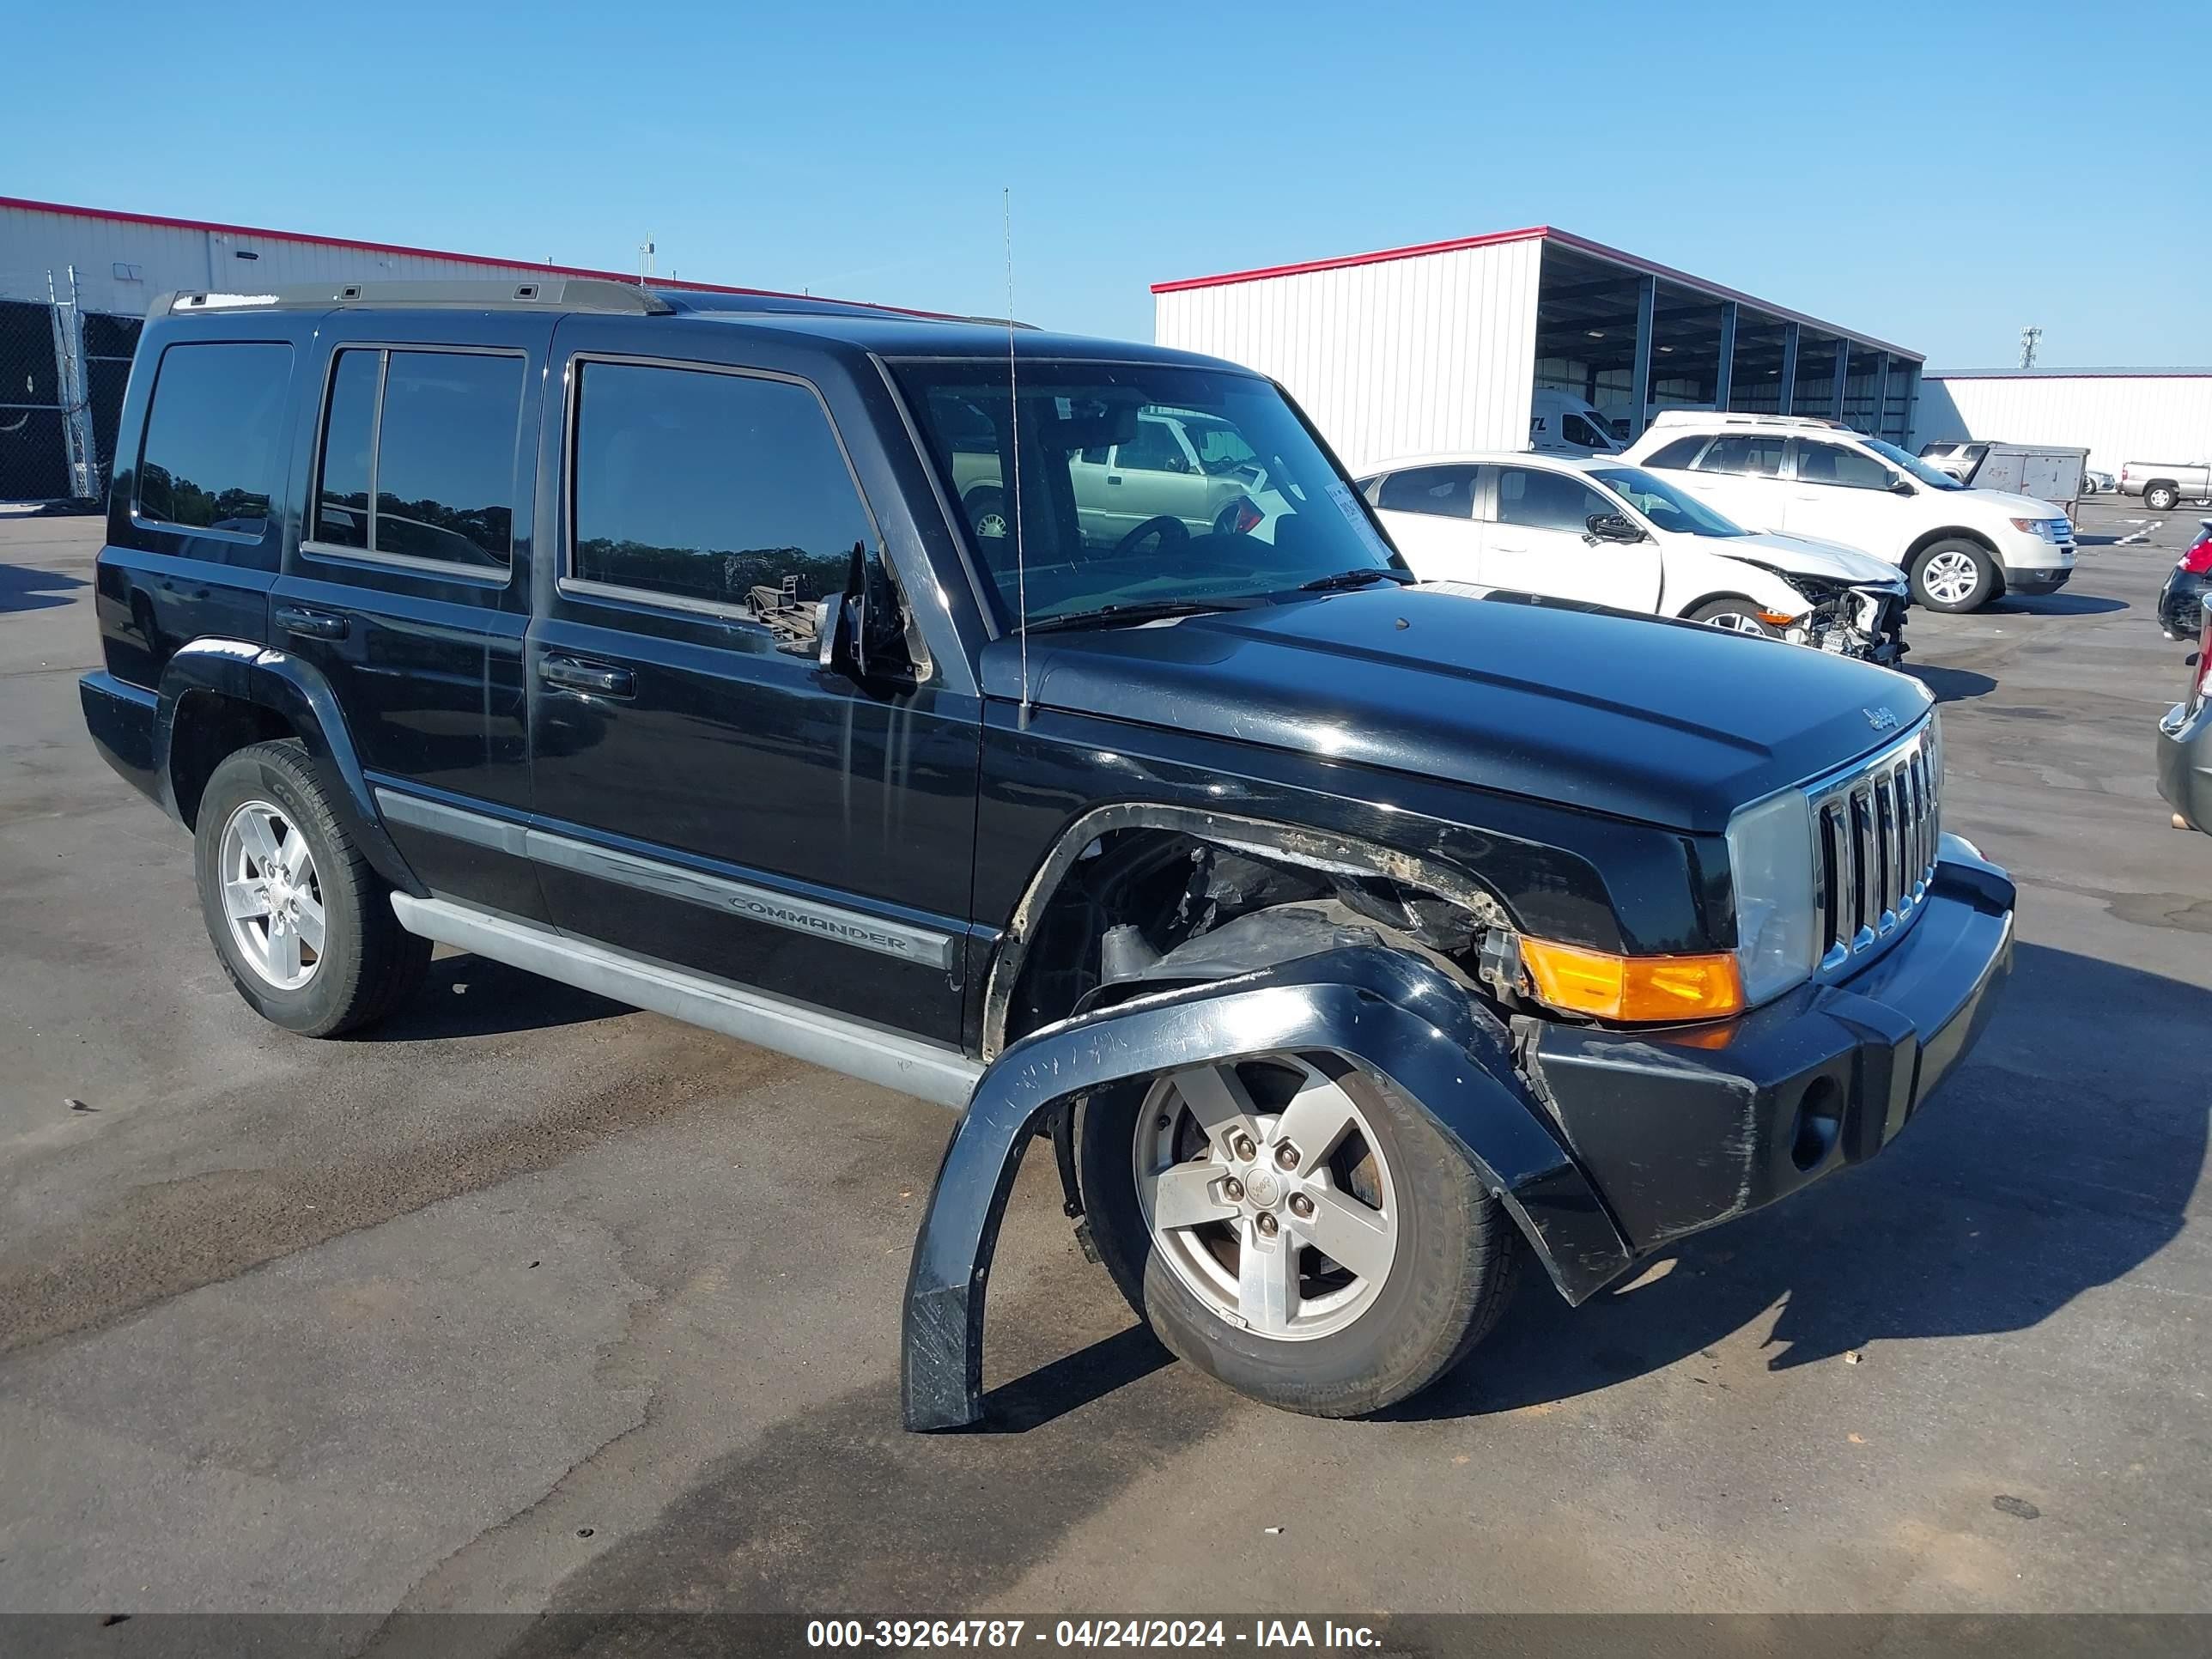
208, 726
1155, 887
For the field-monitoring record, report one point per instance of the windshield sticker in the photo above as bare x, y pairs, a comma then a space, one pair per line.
1348, 504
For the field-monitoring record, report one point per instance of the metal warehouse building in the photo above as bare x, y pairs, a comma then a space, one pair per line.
2118, 415
1443, 345
75, 284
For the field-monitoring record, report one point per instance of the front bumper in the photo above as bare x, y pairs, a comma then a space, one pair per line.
1683, 1130
2037, 579
2184, 762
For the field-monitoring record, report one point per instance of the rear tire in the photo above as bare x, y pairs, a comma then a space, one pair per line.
2161, 498
1953, 576
304, 926
987, 512
1349, 1343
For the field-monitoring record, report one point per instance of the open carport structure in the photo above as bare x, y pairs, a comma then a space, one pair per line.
1443, 345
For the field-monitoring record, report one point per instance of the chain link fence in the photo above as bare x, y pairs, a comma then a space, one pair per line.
62, 375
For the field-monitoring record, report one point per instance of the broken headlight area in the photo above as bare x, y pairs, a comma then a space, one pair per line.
1867, 622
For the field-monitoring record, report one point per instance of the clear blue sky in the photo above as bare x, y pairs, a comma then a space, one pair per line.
1937, 175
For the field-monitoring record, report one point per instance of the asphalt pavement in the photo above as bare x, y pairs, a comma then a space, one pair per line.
528, 1300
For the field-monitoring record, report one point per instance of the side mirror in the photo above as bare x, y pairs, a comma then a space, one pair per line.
832, 650
860, 632
1612, 527
1902, 486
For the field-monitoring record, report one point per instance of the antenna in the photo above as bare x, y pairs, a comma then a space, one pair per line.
2030, 337
1014, 412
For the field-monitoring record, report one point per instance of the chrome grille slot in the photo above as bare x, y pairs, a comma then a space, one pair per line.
1875, 830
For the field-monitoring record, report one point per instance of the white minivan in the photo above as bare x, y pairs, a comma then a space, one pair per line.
1598, 530
1961, 547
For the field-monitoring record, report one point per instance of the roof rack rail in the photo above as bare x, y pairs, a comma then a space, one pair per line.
1744, 417
551, 293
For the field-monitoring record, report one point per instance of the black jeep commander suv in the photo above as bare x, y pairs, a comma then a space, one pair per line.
881, 688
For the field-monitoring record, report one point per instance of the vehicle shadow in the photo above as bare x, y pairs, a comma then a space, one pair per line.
1952, 684
2062, 1157
2054, 604
24, 587
469, 995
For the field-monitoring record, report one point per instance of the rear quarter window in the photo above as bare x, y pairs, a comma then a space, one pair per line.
215, 433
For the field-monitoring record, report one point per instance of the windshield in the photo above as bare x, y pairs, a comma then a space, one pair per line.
1912, 463
1664, 505
1142, 486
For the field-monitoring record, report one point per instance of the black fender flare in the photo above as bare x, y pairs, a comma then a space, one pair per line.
1394, 1015
300, 692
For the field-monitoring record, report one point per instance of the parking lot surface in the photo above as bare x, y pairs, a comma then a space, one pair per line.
529, 1301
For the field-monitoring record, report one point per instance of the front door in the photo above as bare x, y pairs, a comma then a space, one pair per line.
706, 792
1844, 495
410, 586
1540, 543
1151, 476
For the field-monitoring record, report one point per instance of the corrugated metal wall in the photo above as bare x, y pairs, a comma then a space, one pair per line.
121, 264
2118, 418
1398, 358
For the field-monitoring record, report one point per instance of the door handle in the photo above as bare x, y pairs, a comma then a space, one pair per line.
1113, 478
311, 625
596, 679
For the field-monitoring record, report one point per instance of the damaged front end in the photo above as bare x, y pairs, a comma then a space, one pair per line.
1866, 621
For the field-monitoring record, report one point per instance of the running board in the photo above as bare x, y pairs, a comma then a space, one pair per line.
853, 1047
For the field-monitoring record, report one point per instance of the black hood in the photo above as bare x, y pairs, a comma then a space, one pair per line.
1671, 723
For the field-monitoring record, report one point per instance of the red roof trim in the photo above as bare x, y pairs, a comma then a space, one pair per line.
1566, 239
1380, 256
163, 220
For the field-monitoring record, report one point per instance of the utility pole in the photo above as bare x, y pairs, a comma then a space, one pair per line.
644, 263
2030, 337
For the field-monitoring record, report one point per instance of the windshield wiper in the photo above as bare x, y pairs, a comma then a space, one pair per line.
1139, 611
1354, 579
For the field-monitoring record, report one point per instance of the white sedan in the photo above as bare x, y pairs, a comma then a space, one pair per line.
1597, 529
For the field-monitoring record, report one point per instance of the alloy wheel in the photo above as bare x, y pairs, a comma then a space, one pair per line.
1265, 1189
1951, 576
272, 895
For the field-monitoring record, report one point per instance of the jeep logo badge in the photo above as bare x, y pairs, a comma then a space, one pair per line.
1880, 719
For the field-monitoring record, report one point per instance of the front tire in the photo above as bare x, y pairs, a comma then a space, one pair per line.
2161, 498
1292, 1227
987, 512
1954, 576
302, 924
1735, 616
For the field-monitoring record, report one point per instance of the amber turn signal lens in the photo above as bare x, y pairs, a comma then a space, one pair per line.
1641, 989
1776, 618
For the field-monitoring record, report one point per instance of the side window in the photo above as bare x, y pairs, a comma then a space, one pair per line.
702, 486
1677, 455
418, 455
1445, 492
1757, 455
1579, 432
213, 435
1831, 464
1153, 449
1538, 500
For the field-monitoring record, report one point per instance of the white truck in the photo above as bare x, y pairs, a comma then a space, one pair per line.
2164, 485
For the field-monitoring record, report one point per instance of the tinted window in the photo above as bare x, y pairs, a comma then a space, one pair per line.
1547, 501
445, 456
348, 429
1446, 491
430, 437
1831, 464
212, 436
1154, 449
1758, 455
1679, 453
1576, 430
704, 486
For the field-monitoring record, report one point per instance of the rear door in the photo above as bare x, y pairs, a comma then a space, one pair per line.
1540, 543
1429, 513
408, 587
1740, 474
706, 792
